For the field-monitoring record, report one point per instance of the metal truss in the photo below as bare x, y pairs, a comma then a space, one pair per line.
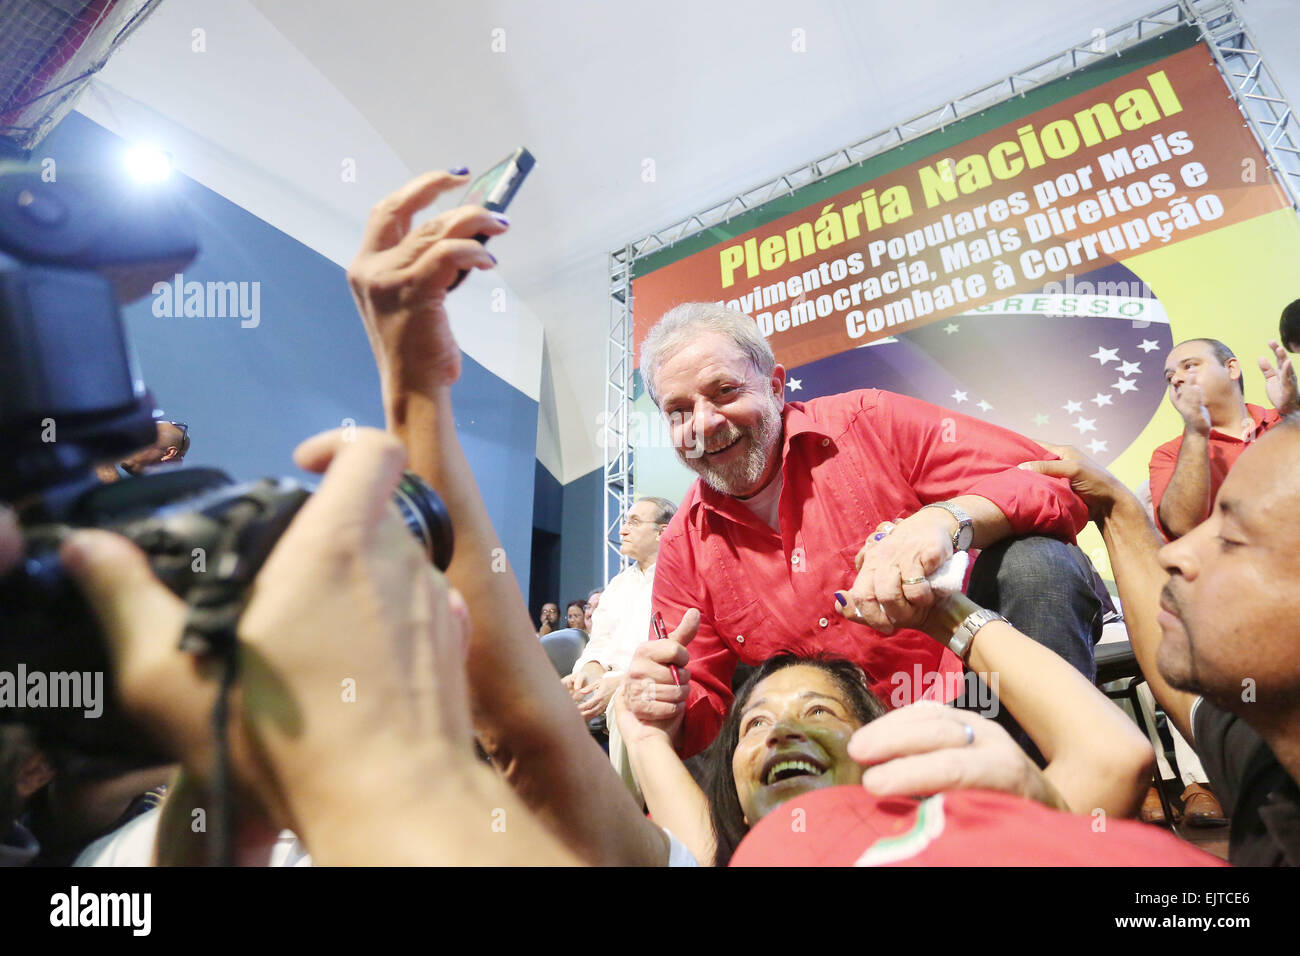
1268, 114
616, 434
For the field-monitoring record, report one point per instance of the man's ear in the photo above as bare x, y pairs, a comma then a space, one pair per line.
172, 452
777, 382
1234, 369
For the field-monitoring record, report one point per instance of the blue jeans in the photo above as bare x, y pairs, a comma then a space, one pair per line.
1048, 590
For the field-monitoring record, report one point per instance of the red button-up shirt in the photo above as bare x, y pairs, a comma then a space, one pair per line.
1224, 451
848, 462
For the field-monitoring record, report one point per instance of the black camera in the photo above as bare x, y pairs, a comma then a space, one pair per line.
70, 253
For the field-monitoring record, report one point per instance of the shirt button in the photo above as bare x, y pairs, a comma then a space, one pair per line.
825, 442
823, 622
794, 559
740, 638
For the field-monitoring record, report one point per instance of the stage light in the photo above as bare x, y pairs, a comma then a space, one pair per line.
148, 164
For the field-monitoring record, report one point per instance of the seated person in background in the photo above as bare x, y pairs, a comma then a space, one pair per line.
1212, 618
789, 491
621, 623
550, 619
575, 613
1206, 386
804, 723
593, 602
623, 620
170, 448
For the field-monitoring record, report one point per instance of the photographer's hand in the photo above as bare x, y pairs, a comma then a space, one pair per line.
352, 689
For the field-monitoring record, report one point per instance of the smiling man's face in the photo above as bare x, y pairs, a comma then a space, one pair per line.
725, 417
794, 737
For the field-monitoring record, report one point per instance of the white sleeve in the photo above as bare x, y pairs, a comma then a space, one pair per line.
603, 625
678, 854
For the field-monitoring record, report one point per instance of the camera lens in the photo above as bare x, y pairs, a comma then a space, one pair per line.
426, 517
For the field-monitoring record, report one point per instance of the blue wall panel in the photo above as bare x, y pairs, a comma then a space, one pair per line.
580, 536
251, 394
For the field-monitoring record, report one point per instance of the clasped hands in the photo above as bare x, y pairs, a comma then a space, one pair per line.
891, 589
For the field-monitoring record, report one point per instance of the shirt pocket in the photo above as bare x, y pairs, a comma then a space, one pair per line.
748, 631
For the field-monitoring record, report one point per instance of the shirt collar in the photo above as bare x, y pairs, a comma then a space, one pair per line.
1259, 415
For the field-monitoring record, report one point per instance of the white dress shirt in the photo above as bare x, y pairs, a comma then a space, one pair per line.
621, 622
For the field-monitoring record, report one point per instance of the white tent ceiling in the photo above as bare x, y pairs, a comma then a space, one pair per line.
713, 92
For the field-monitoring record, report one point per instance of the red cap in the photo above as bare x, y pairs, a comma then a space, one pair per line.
847, 826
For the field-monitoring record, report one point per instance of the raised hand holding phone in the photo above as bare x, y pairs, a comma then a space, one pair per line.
496, 188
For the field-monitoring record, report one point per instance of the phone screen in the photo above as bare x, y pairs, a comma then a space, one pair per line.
496, 187
482, 189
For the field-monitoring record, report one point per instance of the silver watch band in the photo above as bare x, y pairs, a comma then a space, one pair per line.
960, 642
961, 538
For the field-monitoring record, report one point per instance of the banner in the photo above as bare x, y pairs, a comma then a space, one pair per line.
1031, 265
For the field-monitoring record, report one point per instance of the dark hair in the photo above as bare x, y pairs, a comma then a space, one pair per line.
725, 812
1288, 329
1223, 354
580, 605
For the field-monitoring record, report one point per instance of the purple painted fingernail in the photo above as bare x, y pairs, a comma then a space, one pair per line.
842, 599
493, 258
501, 218
459, 171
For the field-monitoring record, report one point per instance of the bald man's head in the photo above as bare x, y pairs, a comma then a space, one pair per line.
171, 445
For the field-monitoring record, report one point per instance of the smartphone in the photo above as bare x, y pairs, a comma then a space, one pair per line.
495, 188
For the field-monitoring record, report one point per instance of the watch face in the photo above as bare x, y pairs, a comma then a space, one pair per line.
964, 535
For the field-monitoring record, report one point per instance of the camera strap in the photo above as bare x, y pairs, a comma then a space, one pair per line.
219, 595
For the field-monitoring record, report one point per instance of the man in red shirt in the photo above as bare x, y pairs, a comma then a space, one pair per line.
771, 537
1205, 385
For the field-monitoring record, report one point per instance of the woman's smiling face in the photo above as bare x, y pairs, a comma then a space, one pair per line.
794, 737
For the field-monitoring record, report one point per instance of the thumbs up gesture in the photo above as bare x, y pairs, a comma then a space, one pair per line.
651, 694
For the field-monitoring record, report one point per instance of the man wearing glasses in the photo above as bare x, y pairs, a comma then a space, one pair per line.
170, 448
621, 622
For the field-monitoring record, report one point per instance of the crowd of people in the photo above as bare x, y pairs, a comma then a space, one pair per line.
876, 633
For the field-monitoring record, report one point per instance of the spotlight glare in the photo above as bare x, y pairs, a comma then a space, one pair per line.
148, 164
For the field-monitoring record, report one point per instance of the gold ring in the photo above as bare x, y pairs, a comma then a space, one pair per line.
914, 580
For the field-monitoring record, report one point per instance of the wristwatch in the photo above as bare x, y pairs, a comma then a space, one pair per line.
965, 533
961, 639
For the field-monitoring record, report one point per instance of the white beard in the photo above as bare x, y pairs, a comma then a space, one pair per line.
740, 476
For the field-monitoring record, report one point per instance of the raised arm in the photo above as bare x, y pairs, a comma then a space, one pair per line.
523, 716
1096, 757
1182, 499
1132, 543
674, 799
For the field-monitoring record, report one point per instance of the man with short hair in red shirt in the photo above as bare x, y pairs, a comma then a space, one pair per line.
768, 544
1205, 386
